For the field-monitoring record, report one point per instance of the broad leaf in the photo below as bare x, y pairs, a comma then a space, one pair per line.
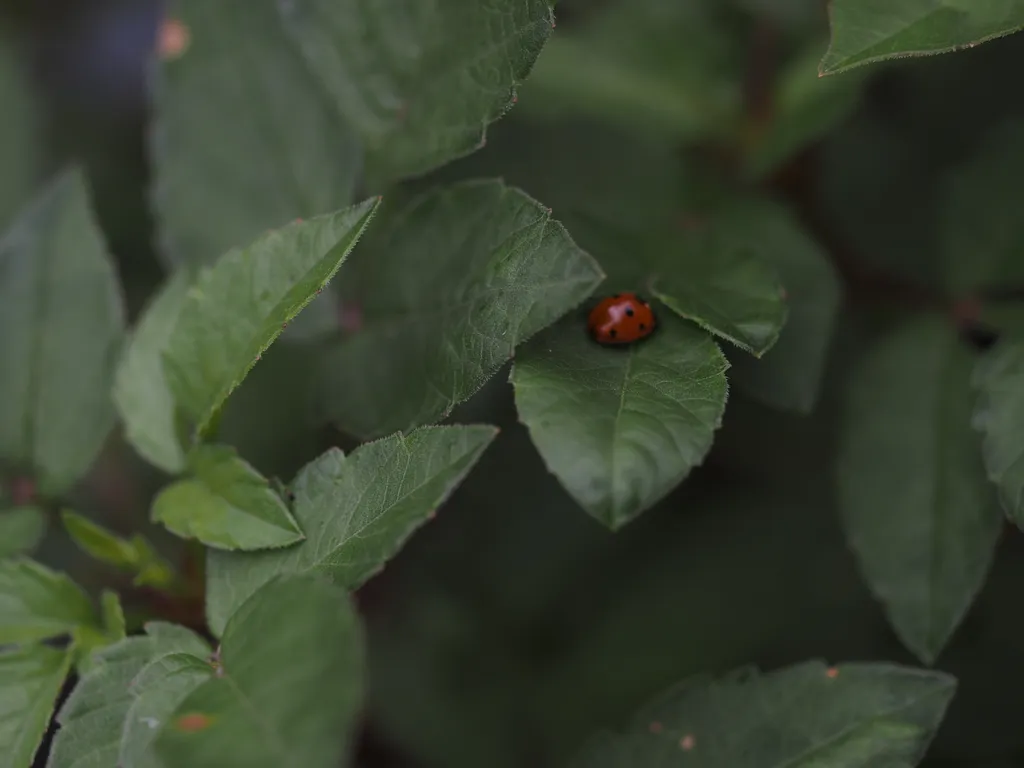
621, 427
21, 529
240, 305
918, 510
804, 716
292, 701
226, 504
448, 285
30, 680
246, 138
20, 147
357, 512
93, 717
61, 323
134, 554
37, 603
866, 31
999, 415
141, 393
427, 99
789, 375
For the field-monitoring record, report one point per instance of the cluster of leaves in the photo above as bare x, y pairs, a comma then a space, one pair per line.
442, 284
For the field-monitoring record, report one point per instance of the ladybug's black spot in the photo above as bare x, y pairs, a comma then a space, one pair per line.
629, 311
642, 326
613, 333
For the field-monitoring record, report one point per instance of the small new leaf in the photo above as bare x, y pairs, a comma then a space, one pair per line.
135, 554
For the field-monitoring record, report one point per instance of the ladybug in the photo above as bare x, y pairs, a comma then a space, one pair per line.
621, 319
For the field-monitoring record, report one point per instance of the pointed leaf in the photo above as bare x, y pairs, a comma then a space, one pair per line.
141, 393
37, 603
999, 415
866, 31
135, 554
357, 510
804, 716
239, 306
918, 511
61, 323
425, 101
228, 504
88, 640
246, 138
30, 681
620, 428
448, 285
292, 701
21, 529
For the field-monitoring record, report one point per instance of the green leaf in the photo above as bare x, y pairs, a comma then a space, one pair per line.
866, 31
21, 529
20, 147
999, 414
30, 681
804, 716
789, 375
37, 603
424, 101
982, 230
246, 138
61, 323
292, 701
240, 305
88, 640
226, 504
93, 717
134, 554
918, 511
357, 511
448, 285
141, 393
620, 428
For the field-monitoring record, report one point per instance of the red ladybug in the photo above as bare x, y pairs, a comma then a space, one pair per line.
621, 319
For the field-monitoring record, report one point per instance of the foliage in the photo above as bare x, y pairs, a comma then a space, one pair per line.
348, 483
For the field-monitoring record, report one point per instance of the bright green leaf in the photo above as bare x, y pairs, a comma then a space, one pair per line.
37, 603
918, 510
427, 99
61, 323
134, 554
113, 615
240, 305
20, 147
247, 139
226, 504
357, 512
804, 716
292, 701
30, 680
21, 529
621, 427
141, 394
448, 285
999, 415
866, 31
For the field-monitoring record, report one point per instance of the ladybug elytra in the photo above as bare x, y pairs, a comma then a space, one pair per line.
621, 319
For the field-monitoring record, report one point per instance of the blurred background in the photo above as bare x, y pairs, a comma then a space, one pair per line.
514, 625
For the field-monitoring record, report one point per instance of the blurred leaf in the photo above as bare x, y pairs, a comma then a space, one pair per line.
419, 82
804, 716
20, 148
671, 69
620, 428
90, 639
61, 322
113, 615
141, 394
239, 306
134, 554
292, 701
448, 286
37, 603
918, 511
226, 504
357, 512
789, 375
30, 681
93, 717
866, 31
21, 530
999, 415
982, 229
246, 138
